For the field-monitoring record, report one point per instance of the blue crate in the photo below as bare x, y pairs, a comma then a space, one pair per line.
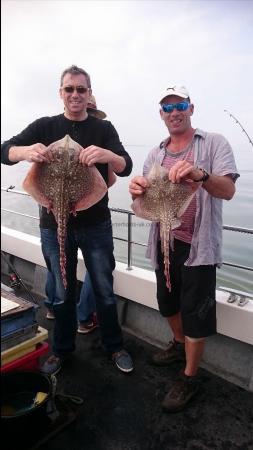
19, 322
19, 336
18, 318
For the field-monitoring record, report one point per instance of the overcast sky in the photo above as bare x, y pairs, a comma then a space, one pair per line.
133, 50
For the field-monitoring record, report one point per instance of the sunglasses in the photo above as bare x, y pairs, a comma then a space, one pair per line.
168, 107
78, 89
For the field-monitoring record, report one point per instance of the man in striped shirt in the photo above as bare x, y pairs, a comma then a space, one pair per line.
190, 307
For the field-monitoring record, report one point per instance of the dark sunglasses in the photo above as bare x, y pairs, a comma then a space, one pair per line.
168, 107
78, 89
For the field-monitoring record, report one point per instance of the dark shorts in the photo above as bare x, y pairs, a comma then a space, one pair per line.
192, 292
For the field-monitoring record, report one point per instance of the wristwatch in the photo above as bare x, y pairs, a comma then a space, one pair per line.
205, 175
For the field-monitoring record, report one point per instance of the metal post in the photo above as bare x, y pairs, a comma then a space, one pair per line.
129, 241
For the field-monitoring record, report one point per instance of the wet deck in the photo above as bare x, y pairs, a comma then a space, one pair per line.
123, 411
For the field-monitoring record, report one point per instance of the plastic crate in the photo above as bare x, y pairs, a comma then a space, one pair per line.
22, 349
21, 316
19, 336
30, 361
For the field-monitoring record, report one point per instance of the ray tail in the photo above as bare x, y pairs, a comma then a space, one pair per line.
165, 238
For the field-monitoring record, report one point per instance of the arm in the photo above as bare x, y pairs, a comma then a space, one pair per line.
94, 154
25, 146
112, 152
138, 186
31, 153
219, 186
117, 163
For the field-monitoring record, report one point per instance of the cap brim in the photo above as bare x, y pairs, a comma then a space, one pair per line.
97, 113
176, 95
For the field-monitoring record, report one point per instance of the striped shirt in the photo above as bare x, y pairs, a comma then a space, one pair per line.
185, 231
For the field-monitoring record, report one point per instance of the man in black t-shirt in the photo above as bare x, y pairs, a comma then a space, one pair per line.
91, 229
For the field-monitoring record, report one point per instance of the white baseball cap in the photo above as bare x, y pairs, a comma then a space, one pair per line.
179, 91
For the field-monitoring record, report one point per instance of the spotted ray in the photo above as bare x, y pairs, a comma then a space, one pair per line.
164, 202
64, 186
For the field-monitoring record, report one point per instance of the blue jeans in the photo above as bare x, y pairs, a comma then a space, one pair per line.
96, 245
87, 302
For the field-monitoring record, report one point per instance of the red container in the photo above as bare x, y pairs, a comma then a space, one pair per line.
31, 361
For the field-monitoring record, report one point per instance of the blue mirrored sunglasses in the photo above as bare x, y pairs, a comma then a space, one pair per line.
168, 107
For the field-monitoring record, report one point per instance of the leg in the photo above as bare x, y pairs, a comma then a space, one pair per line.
86, 308
194, 349
198, 311
87, 303
50, 295
64, 300
175, 323
96, 244
169, 304
185, 388
97, 247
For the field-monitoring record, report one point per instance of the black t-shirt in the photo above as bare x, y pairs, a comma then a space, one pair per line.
91, 131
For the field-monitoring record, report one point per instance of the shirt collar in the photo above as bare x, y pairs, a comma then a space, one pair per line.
198, 132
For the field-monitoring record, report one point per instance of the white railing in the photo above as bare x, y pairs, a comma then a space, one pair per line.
11, 189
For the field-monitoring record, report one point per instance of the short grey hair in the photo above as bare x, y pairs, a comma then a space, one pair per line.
74, 70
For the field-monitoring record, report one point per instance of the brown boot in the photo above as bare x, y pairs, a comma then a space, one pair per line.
181, 393
174, 352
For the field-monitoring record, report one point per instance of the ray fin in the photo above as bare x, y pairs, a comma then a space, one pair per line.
32, 186
96, 192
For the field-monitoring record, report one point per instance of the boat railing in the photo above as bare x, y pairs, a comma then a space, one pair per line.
11, 189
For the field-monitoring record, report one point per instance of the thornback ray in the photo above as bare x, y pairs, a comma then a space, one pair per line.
64, 186
164, 202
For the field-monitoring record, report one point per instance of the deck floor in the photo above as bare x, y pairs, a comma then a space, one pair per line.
123, 411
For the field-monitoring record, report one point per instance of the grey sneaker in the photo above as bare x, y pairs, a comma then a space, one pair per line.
181, 393
123, 361
174, 352
52, 365
85, 328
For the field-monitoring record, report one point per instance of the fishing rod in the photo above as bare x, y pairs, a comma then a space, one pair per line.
18, 280
243, 129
